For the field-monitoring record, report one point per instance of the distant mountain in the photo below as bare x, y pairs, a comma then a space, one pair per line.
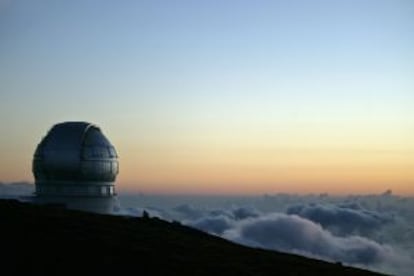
50, 240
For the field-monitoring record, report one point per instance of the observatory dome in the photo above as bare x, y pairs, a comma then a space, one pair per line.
75, 159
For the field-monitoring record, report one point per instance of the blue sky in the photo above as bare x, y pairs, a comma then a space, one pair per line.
206, 73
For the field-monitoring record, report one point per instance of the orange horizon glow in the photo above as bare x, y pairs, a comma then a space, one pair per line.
229, 165
290, 172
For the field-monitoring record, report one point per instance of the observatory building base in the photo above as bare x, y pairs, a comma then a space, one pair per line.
100, 205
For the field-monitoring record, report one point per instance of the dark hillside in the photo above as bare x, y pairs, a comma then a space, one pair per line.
39, 240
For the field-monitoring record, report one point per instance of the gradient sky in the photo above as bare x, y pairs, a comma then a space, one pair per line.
235, 97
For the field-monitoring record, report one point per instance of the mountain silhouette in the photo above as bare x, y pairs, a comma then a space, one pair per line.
51, 240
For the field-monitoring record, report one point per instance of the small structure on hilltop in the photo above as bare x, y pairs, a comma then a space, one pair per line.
76, 165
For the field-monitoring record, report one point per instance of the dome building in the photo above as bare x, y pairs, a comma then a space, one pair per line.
76, 165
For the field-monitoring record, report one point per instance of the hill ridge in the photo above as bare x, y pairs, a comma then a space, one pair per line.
52, 240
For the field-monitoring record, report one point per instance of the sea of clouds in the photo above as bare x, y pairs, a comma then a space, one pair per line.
369, 231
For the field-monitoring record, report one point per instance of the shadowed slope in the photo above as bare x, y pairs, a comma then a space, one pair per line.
48, 240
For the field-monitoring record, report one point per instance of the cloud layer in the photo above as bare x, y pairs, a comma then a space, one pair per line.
343, 219
374, 231
291, 233
16, 189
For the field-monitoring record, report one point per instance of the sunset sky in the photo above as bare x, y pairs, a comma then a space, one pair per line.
217, 97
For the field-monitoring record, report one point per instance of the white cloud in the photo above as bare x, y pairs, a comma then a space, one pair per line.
344, 219
16, 189
212, 224
291, 233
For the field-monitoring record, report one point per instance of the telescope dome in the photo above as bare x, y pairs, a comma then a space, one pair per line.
75, 159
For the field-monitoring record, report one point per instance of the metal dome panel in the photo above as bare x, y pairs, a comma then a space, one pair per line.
75, 158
